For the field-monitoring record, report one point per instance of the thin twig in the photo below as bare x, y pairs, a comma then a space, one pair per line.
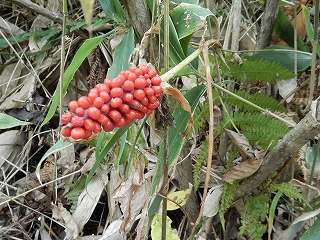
211, 128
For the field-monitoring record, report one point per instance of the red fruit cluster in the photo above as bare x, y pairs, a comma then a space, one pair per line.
113, 103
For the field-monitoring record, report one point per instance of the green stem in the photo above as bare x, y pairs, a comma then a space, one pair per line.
314, 54
63, 44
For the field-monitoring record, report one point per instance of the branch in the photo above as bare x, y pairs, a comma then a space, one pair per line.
56, 17
292, 142
267, 23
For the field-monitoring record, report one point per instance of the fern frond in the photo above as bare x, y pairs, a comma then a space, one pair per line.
261, 99
257, 127
201, 160
287, 189
228, 189
200, 115
255, 212
261, 70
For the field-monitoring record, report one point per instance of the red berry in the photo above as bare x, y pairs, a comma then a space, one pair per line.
138, 72
152, 106
84, 102
140, 115
108, 82
80, 111
105, 96
98, 102
121, 123
77, 121
152, 73
103, 119
66, 131
108, 127
115, 115
116, 92
88, 134
149, 91
152, 99
149, 111
140, 83
132, 68
78, 133
127, 97
89, 124
102, 87
139, 94
135, 104
73, 105
144, 69
94, 112
156, 81
97, 127
144, 101
128, 85
93, 94
105, 108
124, 108
157, 90
115, 102
131, 115
66, 118
125, 73
117, 82
132, 76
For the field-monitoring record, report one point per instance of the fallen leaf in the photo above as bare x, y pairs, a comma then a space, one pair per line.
242, 170
242, 144
178, 96
89, 198
156, 228
212, 203
132, 194
60, 213
180, 197
11, 146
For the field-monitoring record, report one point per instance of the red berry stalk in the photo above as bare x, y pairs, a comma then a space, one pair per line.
113, 103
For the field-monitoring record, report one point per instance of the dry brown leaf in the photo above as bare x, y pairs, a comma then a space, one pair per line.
60, 213
89, 198
242, 144
242, 170
132, 194
178, 96
11, 146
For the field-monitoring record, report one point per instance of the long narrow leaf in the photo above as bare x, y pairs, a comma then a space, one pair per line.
81, 54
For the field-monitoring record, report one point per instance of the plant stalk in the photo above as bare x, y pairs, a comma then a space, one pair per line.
166, 145
314, 54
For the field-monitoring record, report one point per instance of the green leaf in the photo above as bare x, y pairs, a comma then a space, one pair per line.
6, 121
156, 229
272, 211
181, 118
113, 9
309, 26
175, 142
102, 154
122, 54
313, 232
81, 54
285, 56
58, 146
187, 18
285, 31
